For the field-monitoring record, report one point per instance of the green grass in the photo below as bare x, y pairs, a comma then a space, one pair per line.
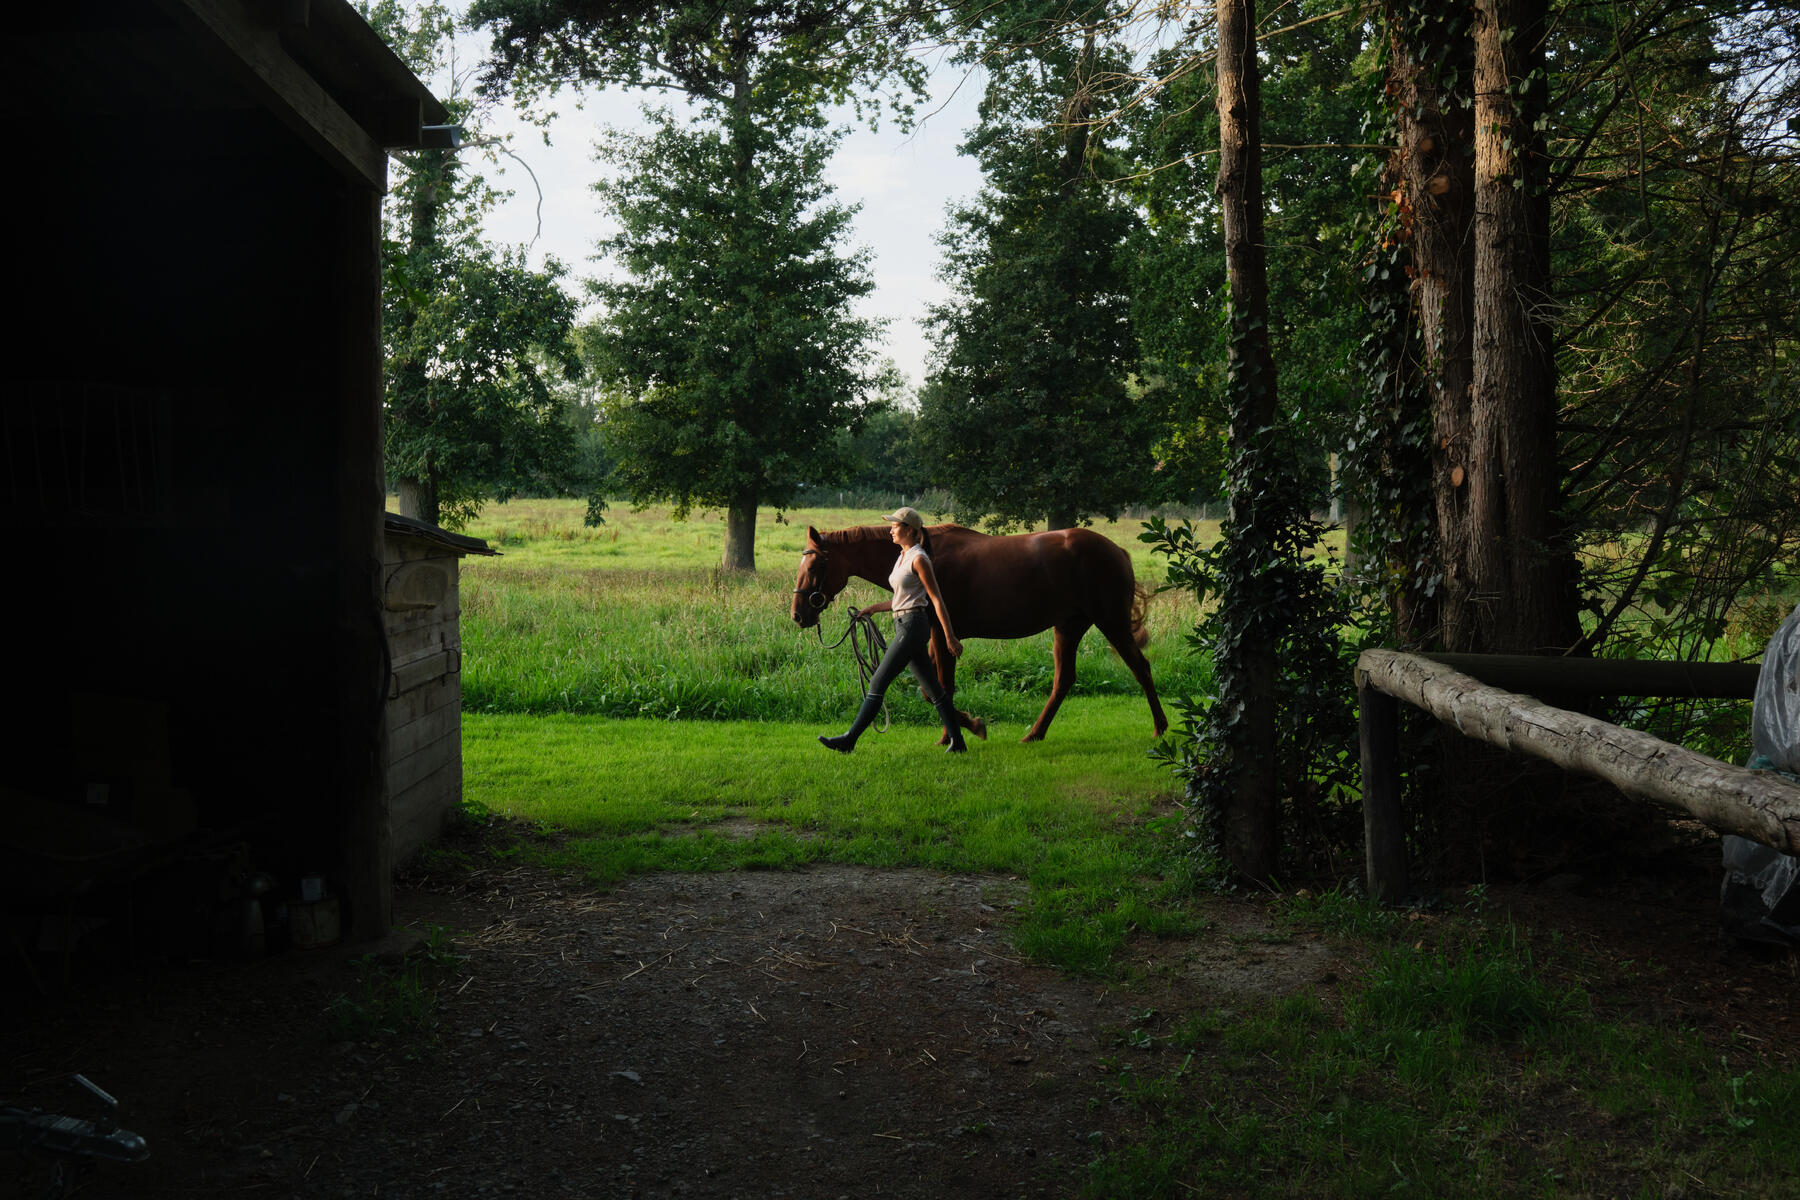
635, 710
658, 714
571, 620
1079, 819
1458, 1069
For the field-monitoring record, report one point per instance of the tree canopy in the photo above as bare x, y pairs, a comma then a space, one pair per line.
1030, 413
728, 356
731, 359
474, 338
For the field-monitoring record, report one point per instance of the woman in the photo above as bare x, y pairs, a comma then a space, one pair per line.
916, 594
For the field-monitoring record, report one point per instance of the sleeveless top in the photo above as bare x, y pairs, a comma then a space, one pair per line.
909, 589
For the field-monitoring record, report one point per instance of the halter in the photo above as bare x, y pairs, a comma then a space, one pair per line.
815, 597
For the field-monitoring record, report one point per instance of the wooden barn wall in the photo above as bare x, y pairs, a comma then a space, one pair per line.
424, 707
191, 459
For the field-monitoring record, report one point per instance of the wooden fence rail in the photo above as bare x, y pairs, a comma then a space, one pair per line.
1760, 805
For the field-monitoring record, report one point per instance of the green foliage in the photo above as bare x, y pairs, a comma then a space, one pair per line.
1679, 221
728, 355
1029, 412
474, 339
1273, 585
884, 453
798, 55
1313, 79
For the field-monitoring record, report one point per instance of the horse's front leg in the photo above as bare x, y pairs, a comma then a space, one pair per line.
944, 663
1064, 642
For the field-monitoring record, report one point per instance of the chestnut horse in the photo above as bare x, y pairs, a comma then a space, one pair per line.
1068, 580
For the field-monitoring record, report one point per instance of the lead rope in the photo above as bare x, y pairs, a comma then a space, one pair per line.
868, 645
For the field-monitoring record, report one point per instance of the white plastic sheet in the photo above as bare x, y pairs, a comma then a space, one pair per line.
1760, 898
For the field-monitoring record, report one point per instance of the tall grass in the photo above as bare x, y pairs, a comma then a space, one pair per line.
633, 620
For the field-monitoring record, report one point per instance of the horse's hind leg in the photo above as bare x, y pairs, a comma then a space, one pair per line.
1064, 642
1122, 641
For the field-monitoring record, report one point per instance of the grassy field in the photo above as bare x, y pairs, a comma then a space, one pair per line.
633, 619
618, 687
645, 713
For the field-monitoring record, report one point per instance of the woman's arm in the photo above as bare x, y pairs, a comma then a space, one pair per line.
922, 568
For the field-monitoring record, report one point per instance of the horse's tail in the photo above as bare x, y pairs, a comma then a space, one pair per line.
1141, 595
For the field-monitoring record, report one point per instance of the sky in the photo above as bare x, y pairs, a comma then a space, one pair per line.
903, 181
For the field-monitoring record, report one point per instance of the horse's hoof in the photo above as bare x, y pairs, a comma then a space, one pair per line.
978, 727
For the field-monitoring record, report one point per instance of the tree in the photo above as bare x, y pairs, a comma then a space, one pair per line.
1246, 664
473, 337
728, 356
1522, 570
1028, 413
732, 392
1678, 221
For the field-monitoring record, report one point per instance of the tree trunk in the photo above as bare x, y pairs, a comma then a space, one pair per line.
1434, 169
434, 172
418, 499
1251, 826
740, 536
1521, 581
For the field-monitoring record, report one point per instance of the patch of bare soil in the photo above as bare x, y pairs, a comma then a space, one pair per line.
829, 1032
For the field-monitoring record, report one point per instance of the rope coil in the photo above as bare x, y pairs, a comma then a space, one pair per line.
868, 645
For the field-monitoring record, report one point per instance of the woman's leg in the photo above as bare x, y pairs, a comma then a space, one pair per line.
908, 646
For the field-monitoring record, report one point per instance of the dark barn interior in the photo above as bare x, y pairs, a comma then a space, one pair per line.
191, 439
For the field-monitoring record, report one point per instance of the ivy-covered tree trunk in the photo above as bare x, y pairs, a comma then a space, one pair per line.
1521, 580
1250, 825
1429, 82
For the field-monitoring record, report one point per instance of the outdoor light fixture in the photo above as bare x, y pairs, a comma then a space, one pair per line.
440, 137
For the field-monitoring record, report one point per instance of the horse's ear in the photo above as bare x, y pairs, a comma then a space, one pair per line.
812, 536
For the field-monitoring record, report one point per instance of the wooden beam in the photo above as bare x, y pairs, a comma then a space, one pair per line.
358, 533
1384, 832
1763, 806
254, 54
1539, 674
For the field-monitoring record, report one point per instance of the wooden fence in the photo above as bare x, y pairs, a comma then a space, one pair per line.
1470, 692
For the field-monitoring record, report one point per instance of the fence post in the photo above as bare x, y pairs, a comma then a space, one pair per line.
1384, 836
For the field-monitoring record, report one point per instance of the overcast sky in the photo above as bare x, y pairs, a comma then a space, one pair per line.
902, 180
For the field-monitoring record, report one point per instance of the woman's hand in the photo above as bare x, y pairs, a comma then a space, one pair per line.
955, 644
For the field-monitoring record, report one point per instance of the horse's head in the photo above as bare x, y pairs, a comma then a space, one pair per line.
821, 578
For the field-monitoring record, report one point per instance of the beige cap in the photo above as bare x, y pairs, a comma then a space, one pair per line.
906, 516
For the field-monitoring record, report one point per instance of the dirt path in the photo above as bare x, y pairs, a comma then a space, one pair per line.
829, 1032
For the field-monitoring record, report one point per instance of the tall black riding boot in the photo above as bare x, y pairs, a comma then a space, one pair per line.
947, 711
844, 743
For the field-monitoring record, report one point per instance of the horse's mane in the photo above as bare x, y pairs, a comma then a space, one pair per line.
879, 533
859, 533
